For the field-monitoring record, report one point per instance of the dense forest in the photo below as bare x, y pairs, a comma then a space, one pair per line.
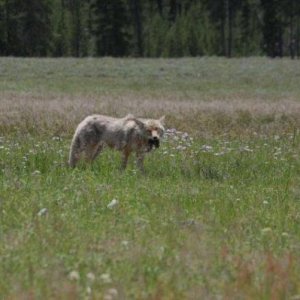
149, 28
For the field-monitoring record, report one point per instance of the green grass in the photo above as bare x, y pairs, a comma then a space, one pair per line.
215, 217
185, 78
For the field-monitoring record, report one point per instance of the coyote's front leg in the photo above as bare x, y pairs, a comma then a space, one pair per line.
125, 155
140, 161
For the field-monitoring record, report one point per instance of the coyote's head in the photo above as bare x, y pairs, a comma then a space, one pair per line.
152, 130
155, 130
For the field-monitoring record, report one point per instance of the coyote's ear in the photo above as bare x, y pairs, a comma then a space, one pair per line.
139, 122
129, 116
162, 120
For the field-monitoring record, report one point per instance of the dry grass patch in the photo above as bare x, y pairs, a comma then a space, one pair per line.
59, 114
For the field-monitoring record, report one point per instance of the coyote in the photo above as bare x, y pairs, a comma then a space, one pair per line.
128, 134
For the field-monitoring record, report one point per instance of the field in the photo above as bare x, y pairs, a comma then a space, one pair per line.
217, 214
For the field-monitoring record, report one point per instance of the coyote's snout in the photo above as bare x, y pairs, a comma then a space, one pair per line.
127, 135
153, 142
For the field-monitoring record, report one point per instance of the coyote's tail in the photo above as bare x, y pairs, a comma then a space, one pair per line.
74, 151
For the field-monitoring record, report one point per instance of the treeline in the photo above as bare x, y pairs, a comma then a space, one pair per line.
149, 28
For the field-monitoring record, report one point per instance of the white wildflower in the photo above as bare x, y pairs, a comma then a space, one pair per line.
246, 149
105, 277
206, 148
88, 290
90, 276
125, 243
114, 203
42, 212
219, 153
180, 147
266, 230
74, 275
113, 292
185, 135
56, 138
36, 172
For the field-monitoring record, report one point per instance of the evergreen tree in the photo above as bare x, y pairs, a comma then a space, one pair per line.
75, 26
155, 31
217, 17
12, 28
273, 28
150, 28
3, 32
160, 7
291, 10
61, 41
136, 12
33, 30
111, 27
198, 31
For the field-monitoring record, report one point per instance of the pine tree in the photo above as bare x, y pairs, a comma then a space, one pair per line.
60, 32
150, 27
3, 32
248, 29
136, 12
111, 27
75, 8
273, 28
155, 31
33, 27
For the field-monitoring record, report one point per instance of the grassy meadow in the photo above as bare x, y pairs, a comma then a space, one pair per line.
217, 215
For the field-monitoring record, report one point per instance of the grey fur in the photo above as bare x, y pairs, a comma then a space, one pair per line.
127, 135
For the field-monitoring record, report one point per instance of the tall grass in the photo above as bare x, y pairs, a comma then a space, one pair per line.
215, 216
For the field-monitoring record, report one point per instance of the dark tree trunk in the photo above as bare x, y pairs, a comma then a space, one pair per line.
173, 10
292, 44
7, 23
297, 37
160, 7
77, 24
136, 11
226, 28
230, 21
223, 35
272, 28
